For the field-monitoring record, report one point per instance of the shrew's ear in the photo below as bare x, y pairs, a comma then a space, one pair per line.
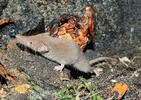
43, 48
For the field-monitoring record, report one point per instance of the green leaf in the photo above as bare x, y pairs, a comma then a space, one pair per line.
72, 99
79, 87
67, 97
59, 93
60, 97
81, 79
93, 95
70, 86
99, 98
72, 91
87, 85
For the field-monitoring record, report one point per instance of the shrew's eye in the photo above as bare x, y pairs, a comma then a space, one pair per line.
30, 42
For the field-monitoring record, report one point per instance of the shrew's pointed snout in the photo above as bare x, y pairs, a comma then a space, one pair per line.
18, 36
21, 39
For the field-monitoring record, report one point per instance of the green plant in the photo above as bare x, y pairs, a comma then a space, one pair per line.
73, 93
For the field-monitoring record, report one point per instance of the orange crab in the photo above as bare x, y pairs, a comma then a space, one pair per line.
78, 29
6, 21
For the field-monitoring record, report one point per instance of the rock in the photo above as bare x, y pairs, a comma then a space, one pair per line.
3, 4
116, 26
25, 14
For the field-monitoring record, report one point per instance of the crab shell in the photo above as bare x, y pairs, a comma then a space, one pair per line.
4, 21
75, 28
